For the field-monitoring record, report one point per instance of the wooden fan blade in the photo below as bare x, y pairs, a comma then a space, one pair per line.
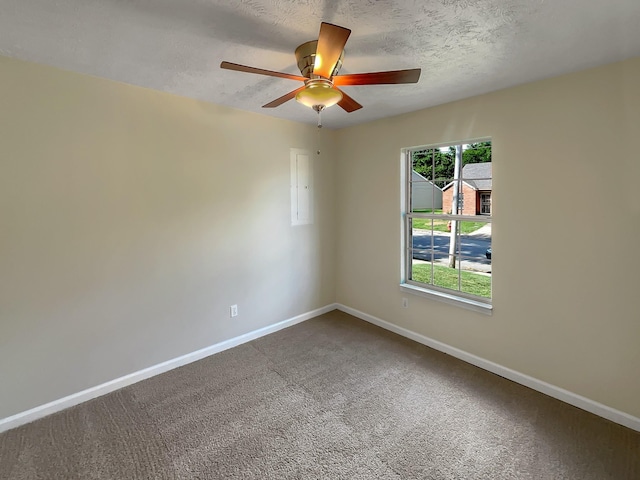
378, 78
285, 98
259, 71
348, 104
331, 42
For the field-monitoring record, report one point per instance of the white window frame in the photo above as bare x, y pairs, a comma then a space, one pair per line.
450, 296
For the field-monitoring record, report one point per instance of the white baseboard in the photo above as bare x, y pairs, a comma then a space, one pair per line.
544, 387
556, 392
99, 390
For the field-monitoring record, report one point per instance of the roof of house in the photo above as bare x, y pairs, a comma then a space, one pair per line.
417, 178
477, 175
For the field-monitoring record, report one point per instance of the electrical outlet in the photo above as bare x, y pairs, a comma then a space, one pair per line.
233, 310
405, 302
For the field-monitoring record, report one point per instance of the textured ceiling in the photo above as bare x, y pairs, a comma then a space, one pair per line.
464, 47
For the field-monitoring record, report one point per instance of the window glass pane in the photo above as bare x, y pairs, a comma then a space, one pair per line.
426, 196
430, 169
475, 229
474, 241
440, 225
474, 258
444, 275
447, 197
422, 242
479, 152
476, 177
423, 162
421, 271
428, 243
422, 254
474, 282
422, 224
419, 247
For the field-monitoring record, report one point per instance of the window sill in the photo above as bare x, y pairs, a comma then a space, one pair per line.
467, 303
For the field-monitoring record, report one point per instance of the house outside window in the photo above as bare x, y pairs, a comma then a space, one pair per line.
447, 240
476, 185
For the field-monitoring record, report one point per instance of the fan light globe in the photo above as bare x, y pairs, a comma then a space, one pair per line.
319, 93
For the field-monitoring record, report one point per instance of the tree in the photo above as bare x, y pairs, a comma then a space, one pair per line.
435, 165
477, 153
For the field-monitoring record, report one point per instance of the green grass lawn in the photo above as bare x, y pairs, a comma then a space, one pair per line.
446, 277
425, 224
441, 225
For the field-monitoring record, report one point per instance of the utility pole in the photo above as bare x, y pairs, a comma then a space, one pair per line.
455, 206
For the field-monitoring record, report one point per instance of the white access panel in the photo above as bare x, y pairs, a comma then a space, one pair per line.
301, 187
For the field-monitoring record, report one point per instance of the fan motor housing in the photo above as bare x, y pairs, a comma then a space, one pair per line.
306, 58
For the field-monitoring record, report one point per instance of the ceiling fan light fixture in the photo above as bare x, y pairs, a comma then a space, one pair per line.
319, 62
319, 93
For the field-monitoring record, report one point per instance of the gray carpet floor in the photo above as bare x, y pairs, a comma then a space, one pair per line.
331, 398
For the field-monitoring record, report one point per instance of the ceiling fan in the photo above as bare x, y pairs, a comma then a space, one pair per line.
319, 62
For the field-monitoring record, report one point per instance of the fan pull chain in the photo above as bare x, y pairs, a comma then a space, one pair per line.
319, 128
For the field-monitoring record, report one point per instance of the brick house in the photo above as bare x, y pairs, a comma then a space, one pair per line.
476, 190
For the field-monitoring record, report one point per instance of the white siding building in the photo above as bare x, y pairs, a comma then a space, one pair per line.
424, 193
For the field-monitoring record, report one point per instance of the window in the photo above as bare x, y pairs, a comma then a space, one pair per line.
447, 222
485, 203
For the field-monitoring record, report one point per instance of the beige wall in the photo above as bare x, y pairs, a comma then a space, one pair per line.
566, 173
129, 224
130, 220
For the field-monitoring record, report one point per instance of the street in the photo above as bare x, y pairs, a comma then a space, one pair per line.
472, 249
